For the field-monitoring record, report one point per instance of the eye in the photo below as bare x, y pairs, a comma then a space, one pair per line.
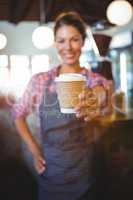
60, 41
76, 39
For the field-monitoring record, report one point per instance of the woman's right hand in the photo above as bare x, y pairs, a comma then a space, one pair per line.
39, 161
33, 146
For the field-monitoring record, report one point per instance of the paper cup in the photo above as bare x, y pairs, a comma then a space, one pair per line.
68, 87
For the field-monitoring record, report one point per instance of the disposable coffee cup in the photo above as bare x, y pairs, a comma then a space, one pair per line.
68, 87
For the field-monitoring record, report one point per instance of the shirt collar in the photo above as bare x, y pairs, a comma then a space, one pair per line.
55, 71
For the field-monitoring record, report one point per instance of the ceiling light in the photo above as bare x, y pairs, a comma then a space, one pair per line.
43, 37
119, 12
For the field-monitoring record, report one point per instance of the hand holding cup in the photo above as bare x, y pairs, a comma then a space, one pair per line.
92, 102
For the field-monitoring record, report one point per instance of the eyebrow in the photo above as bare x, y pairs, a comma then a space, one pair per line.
60, 37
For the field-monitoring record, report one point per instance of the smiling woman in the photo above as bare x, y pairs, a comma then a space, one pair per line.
69, 47
65, 160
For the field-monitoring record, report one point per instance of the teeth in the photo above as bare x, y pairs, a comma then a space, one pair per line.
69, 55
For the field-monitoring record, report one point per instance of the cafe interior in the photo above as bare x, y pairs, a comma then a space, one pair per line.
26, 48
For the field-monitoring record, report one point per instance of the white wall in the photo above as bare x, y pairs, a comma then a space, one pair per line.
20, 40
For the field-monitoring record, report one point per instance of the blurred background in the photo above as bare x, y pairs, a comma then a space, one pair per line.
26, 48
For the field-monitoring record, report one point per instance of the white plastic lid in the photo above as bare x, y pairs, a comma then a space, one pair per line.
70, 77
68, 110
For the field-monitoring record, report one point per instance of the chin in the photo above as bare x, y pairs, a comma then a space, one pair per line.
71, 62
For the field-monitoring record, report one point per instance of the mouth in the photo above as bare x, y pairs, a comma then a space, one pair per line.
68, 56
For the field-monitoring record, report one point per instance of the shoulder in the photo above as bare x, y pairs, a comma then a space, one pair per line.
44, 76
95, 79
39, 79
97, 76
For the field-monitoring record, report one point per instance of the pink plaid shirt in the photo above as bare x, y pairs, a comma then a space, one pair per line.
32, 96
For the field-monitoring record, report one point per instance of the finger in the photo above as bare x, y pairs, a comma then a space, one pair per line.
39, 167
91, 103
86, 93
82, 96
86, 104
79, 106
92, 115
100, 92
42, 160
82, 113
78, 114
85, 110
87, 119
41, 170
40, 164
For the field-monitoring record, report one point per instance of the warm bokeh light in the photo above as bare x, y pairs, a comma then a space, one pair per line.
3, 41
3, 60
40, 63
119, 12
43, 37
19, 60
123, 72
19, 73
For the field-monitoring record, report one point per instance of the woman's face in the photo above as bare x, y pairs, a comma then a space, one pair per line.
69, 42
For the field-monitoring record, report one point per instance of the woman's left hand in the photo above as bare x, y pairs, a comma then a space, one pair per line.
92, 103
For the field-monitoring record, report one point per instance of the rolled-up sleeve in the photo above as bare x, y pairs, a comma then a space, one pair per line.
29, 100
95, 79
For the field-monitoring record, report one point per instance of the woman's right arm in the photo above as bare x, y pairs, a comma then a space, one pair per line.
33, 146
21, 109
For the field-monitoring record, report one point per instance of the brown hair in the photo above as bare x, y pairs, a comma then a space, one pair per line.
71, 19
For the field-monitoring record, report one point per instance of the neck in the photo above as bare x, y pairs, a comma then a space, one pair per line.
70, 69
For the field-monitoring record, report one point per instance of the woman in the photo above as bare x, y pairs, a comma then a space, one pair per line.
64, 162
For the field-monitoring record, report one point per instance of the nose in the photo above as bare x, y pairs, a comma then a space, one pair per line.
68, 45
